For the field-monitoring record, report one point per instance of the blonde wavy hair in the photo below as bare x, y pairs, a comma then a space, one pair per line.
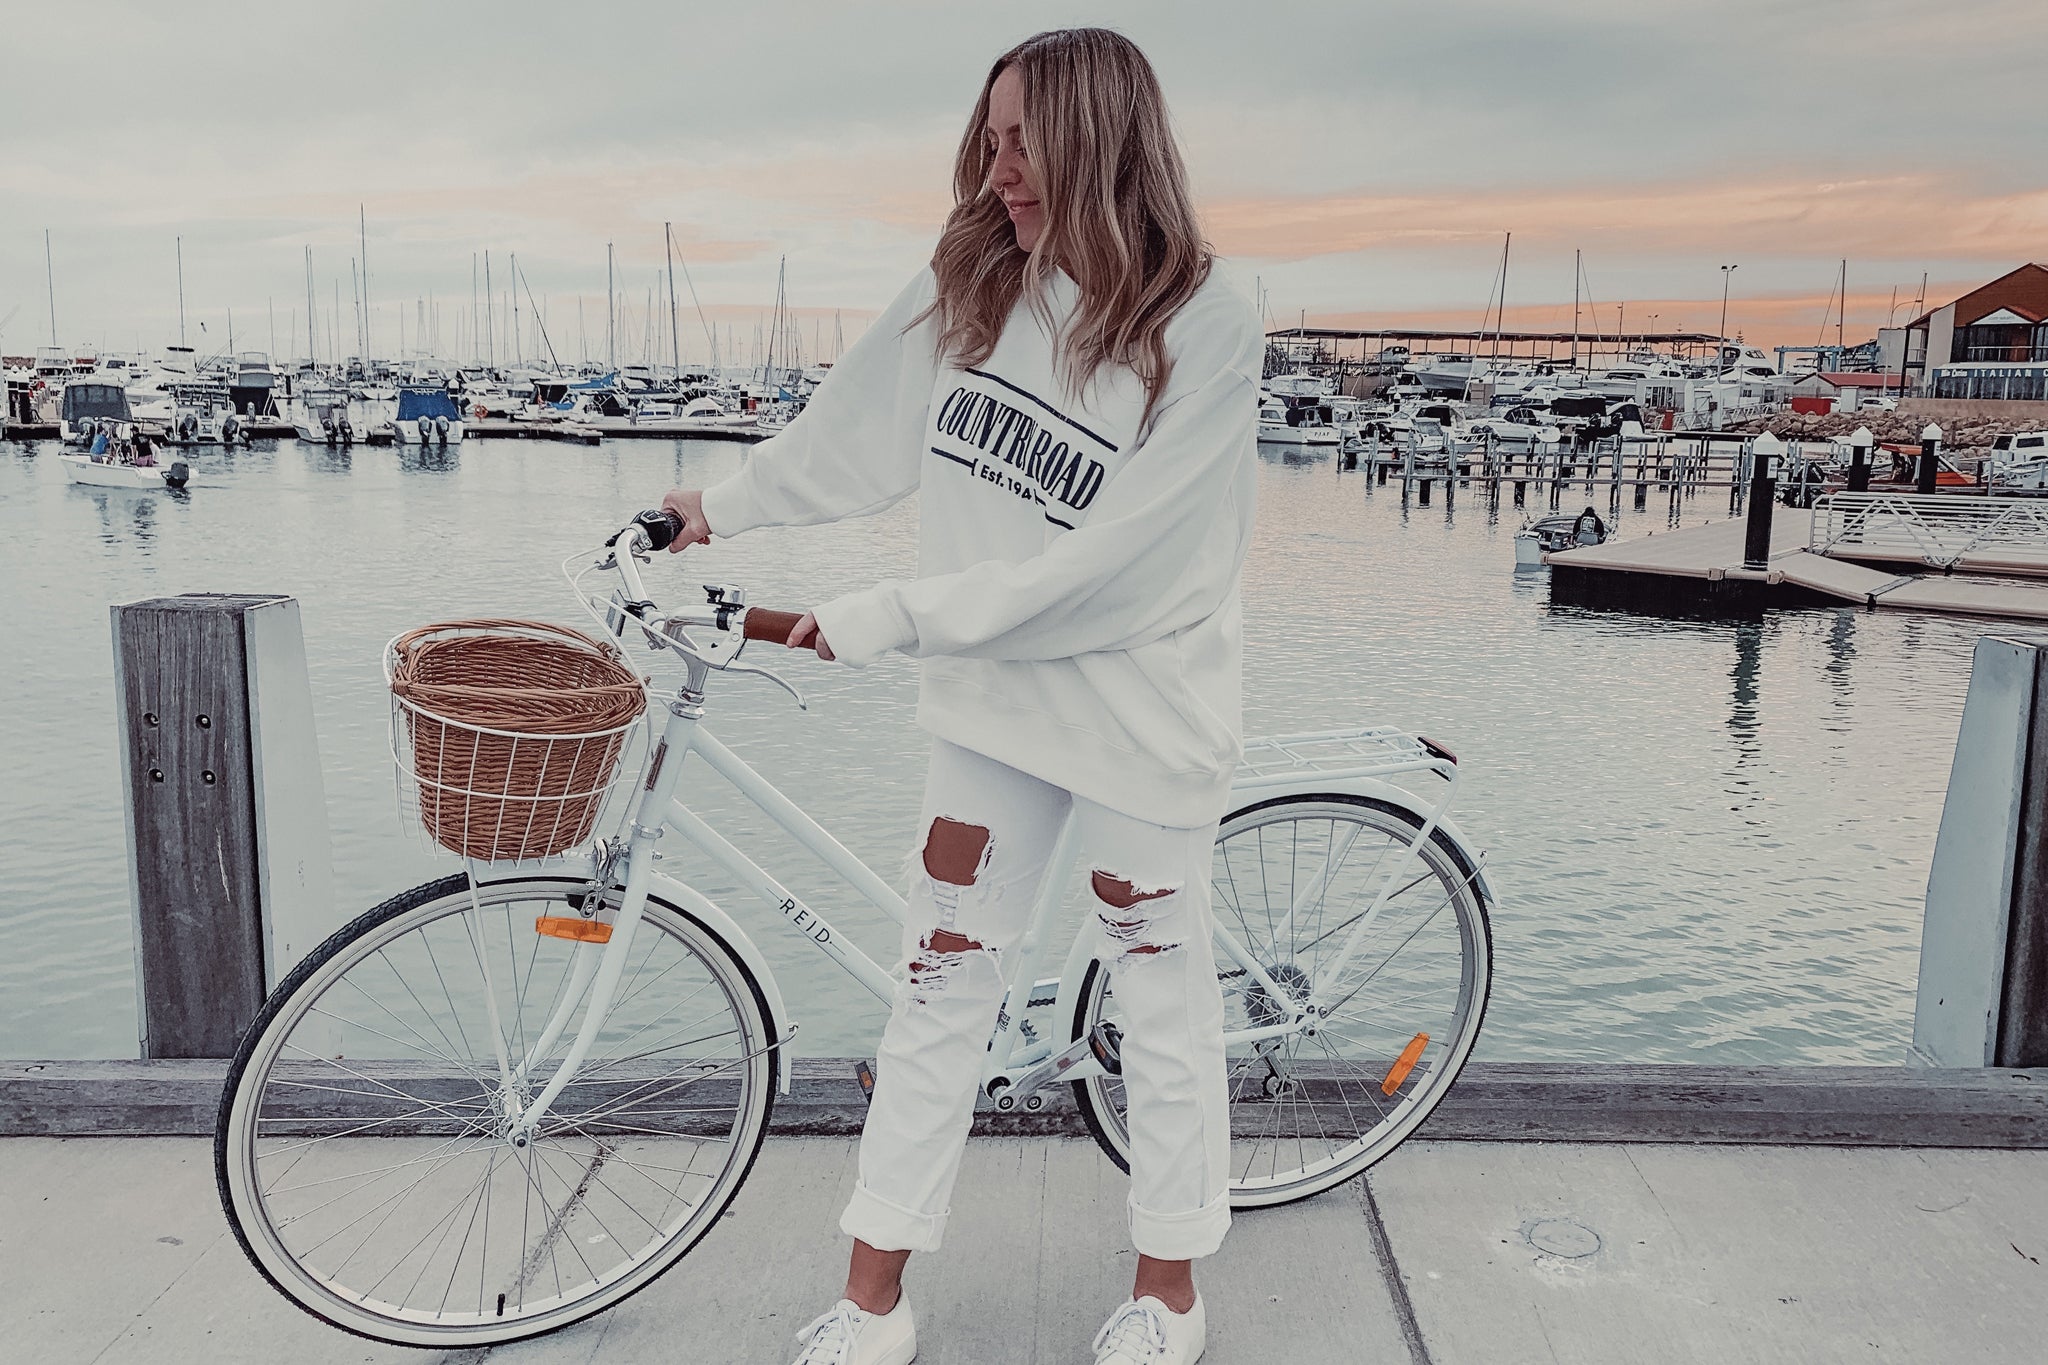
1118, 216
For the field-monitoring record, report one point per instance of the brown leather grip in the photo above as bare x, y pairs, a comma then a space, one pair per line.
763, 624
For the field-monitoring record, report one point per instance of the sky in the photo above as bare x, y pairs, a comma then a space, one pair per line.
1358, 163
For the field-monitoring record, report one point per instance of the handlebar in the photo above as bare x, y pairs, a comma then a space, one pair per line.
655, 529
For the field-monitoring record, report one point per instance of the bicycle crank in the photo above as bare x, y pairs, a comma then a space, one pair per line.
1103, 1046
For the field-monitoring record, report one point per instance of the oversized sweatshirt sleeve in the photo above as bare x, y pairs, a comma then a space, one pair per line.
854, 449
1160, 551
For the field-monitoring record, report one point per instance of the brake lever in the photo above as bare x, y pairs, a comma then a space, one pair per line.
722, 652
772, 676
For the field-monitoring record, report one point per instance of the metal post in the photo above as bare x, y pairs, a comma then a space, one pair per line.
230, 878
1860, 443
1930, 459
1756, 541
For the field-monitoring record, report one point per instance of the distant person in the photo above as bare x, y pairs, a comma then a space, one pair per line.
1071, 392
99, 440
145, 453
1589, 529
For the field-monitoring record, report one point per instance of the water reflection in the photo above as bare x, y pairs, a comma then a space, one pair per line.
1841, 646
128, 519
1744, 712
426, 459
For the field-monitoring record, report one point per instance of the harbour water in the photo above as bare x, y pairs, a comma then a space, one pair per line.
1710, 838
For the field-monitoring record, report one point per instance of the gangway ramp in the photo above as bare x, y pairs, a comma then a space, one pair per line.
1836, 577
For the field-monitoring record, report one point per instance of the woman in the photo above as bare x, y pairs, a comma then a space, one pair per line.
1074, 395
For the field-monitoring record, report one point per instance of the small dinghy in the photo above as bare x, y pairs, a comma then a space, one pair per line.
101, 474
1564, 531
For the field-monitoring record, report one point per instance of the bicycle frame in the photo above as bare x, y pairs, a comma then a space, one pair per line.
1019, 1061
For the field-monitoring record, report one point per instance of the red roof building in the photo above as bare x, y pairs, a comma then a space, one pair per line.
1990, 343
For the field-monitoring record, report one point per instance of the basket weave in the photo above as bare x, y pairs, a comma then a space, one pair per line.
513, 732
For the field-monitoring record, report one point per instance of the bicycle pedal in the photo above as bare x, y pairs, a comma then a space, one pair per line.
864, 1076
1106, 1041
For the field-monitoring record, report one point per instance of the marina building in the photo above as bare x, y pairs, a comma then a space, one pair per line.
1990, 343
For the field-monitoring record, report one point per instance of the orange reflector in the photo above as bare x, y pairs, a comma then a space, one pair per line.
579, 930
1404, 1064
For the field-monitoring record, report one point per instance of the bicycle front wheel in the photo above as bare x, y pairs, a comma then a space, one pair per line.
1291, 879
362, 1148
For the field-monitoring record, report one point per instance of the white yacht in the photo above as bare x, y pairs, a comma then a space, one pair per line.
1280, 424
427, 416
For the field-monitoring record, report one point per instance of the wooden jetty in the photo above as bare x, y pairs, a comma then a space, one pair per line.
1703, 566
491, 427
618, 428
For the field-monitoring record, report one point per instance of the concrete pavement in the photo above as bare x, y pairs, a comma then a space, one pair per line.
114, 1250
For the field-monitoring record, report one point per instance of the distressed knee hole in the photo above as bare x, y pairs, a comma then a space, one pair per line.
1142, 935
942, 956
955, 853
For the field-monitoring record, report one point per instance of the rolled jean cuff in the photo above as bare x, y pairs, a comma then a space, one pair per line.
1180, 1236
891, 1227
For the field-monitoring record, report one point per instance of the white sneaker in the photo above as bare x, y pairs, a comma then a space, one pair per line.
850, 1335
1147, 1332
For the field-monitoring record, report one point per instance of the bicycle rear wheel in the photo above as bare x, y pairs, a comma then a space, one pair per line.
361, 1148
1290, 878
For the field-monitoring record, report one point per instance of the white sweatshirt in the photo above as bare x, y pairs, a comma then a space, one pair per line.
1076, 603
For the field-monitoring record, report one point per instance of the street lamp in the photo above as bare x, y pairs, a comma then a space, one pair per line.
1726, 272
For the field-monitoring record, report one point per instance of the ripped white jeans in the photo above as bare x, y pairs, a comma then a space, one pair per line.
984, 841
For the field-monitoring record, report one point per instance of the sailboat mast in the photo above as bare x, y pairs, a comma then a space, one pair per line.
490, 331
675, 344
312, 351
363, 243
518, 344
1500, 320
50, 280
611, 316
181, 291
1842, 309
1578, 267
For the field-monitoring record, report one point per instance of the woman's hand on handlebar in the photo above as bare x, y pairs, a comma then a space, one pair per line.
688, 506
806, 632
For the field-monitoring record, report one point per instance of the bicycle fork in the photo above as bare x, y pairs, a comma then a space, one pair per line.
598, 967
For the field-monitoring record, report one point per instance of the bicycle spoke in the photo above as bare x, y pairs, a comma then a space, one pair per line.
372, 1164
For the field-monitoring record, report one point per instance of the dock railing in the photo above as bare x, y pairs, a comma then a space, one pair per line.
1940, 530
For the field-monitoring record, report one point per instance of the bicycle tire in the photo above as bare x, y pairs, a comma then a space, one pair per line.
743, 991
1098, 1097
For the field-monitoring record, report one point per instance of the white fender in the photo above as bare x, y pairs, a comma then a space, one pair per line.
578, 871
744, 948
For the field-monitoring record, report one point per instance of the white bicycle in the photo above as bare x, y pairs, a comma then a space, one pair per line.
509, 1099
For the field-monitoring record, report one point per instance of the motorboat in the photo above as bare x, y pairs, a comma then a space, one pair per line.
1562, 531
1452, 374
251, 388
427, 416
201, 414
112, 474
1308, 424
87, 404
323, 416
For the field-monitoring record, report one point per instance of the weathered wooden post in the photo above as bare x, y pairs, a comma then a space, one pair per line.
1860, 444
1983, 996
1756, 539
1930, 459
229, 867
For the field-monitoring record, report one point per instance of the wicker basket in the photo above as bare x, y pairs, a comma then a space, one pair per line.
509, 733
